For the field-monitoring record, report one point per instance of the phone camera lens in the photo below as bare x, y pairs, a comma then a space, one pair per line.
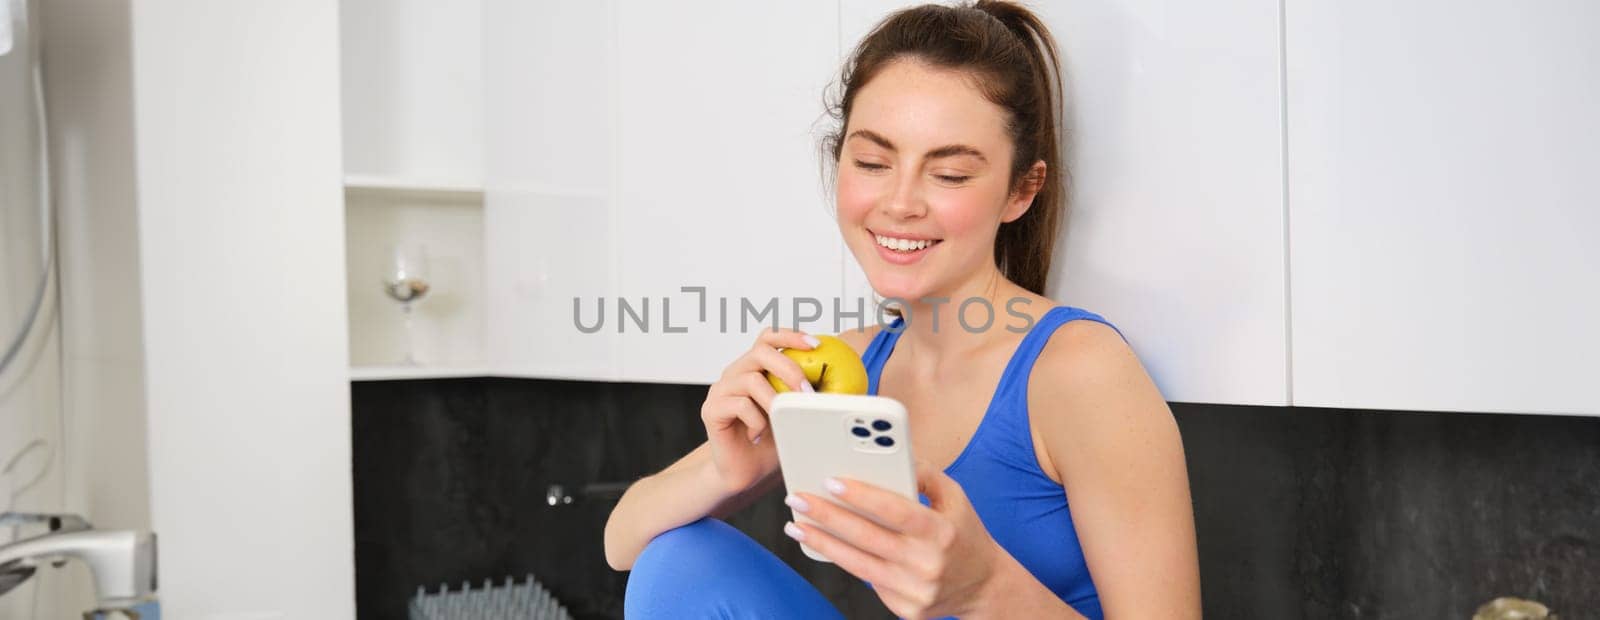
860, 431
881, 425
884, 440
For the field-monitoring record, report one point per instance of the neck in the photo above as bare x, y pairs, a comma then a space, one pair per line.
936, 327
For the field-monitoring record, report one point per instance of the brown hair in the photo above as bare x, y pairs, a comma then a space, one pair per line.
1010, 55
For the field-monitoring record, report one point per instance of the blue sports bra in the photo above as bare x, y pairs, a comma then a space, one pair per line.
1024, 510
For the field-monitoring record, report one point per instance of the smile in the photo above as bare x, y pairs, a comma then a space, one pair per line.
900, 244
903, 250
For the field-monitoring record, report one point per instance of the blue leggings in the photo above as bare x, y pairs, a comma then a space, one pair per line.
709, 569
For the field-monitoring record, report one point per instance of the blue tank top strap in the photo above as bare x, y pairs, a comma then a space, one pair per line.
1021, 365
1003, 433
878, 352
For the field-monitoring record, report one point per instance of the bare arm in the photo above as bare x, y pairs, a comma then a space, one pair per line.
678, 495
737, 464
1112, 439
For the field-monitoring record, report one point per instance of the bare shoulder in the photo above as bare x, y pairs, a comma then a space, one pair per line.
1085, 352
1112, 442
1089, 391
858, 339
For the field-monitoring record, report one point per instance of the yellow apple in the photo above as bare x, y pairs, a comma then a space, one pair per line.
831, 367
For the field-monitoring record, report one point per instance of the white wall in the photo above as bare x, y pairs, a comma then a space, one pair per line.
89, 86
30, 410
243, 295
203, 300
32, 446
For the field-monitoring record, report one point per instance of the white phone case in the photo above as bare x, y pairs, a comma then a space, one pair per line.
817, 437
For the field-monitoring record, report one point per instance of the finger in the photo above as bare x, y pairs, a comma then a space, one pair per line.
859, 531
787, 370
755, 422
863, 565
893, 510
726, 411
786, 339
745, 364
942, 491
757, 388
768, 340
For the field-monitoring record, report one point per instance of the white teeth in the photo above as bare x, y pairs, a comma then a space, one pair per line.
903, 245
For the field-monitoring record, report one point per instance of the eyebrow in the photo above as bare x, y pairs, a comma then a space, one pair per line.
948, 150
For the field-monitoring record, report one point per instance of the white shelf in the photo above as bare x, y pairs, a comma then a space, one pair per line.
433, 189
395, 373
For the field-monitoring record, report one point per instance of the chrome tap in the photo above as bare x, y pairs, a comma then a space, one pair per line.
123, 561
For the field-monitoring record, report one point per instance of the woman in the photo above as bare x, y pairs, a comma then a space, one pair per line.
948, 187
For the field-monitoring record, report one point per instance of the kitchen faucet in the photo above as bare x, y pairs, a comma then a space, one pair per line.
123, 561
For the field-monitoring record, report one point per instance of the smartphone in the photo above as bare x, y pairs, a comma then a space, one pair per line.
863, 438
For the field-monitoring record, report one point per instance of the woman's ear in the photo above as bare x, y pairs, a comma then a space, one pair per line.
1032, 182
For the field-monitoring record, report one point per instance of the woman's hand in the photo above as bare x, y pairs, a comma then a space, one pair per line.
923, 562
736, 406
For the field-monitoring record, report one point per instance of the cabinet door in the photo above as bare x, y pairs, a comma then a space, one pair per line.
549, 211
413, 106
1442, 160
717, 178
1175, 229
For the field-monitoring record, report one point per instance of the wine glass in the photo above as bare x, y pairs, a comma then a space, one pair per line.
406, 281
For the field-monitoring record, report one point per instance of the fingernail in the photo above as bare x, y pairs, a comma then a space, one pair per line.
794, 531
797, 503
834, 486
756, 441
805, 386
812, 340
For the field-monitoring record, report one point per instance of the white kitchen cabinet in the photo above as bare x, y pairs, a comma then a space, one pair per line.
412, 89
246, 409
1442, 158
412, 99
630, 159
1175, 228
1341, 240
718, 180
549, 205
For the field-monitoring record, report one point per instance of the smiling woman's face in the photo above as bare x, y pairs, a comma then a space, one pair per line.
925, 163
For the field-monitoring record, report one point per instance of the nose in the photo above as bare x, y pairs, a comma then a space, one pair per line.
906, 202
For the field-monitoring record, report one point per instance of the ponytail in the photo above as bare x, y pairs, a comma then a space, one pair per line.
1024, 247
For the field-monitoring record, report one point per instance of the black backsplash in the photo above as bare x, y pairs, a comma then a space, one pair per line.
1301, 513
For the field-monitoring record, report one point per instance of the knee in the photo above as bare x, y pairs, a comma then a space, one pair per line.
710, 569
683, 546
670, 577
